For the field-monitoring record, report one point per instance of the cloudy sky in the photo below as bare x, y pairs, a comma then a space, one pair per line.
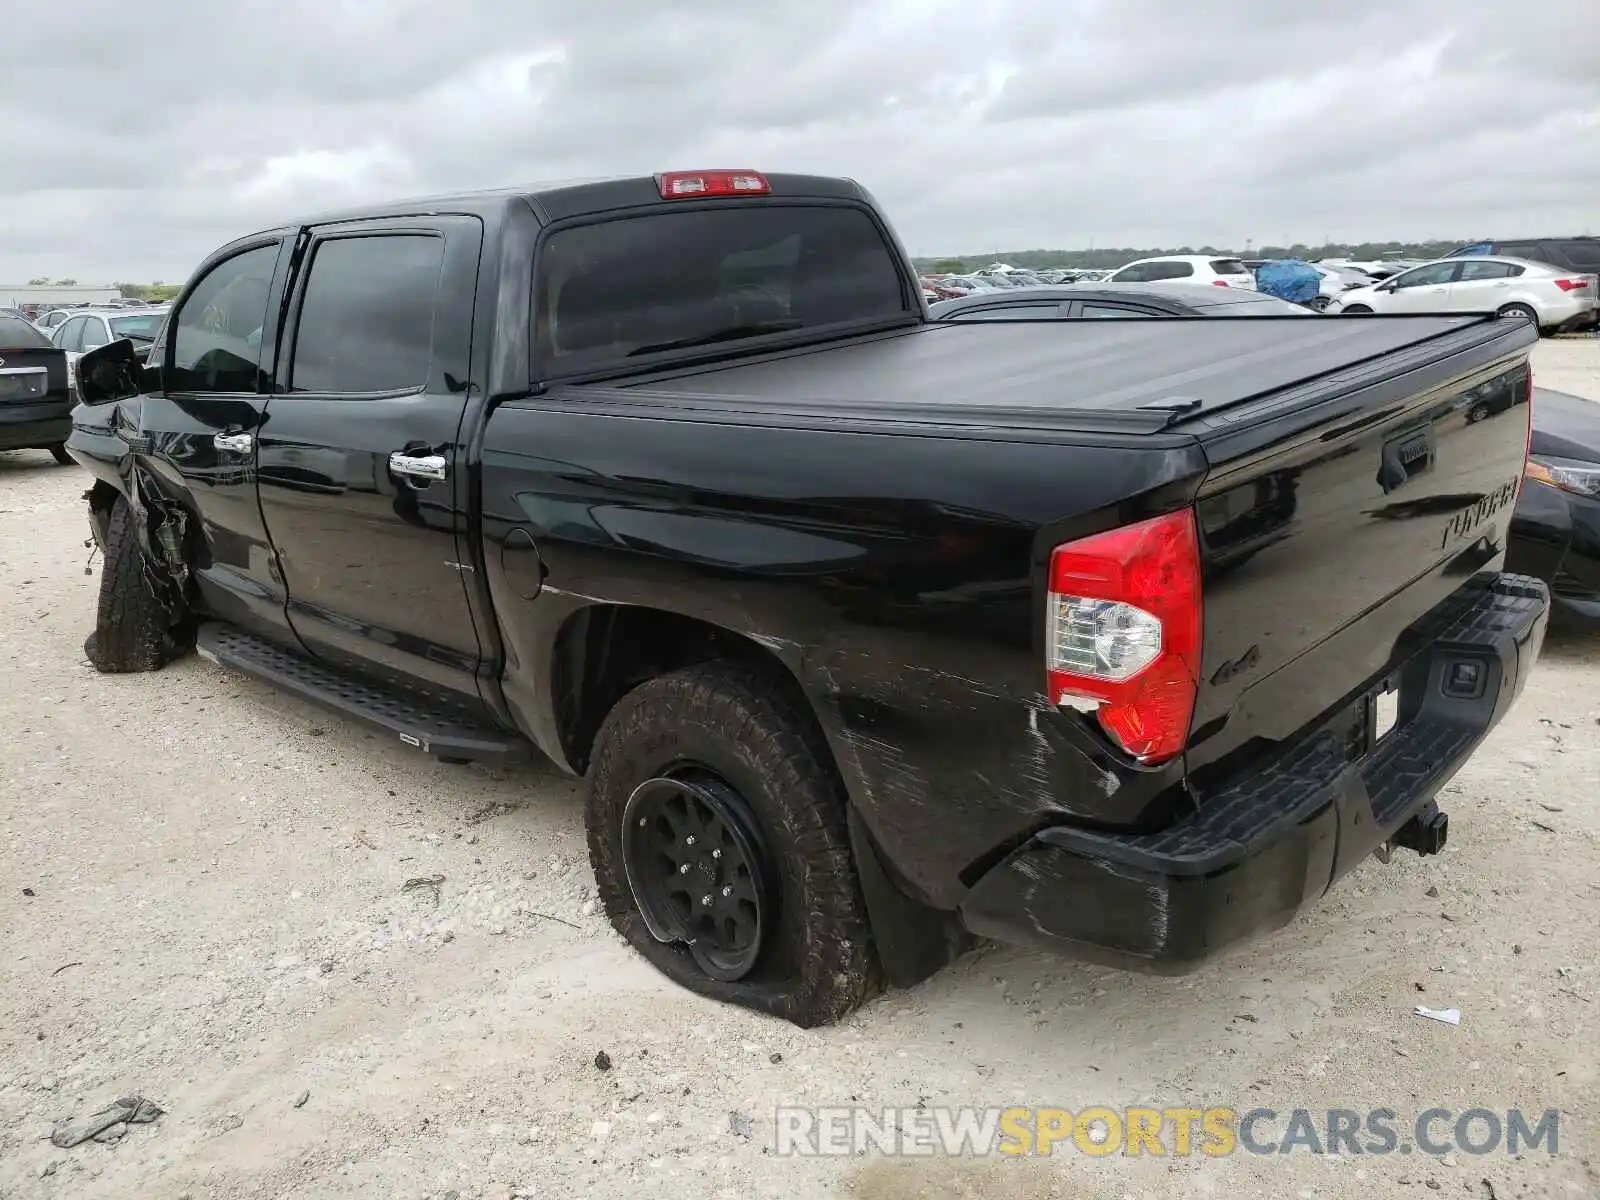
136, 137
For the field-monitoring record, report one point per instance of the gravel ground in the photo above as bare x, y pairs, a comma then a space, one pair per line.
205, 887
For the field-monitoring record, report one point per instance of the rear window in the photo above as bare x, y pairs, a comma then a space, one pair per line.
645, 285
17, 334
1152, 272
1229, 266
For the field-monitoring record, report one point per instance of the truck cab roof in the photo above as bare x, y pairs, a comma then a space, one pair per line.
556, 200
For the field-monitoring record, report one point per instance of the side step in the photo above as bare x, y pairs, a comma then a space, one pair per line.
427, 721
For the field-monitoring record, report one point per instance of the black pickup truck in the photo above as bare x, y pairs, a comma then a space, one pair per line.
871, 634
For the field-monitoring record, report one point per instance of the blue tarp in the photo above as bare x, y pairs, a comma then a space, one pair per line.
1289, 279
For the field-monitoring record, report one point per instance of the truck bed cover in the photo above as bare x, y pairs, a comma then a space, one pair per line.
1134, 375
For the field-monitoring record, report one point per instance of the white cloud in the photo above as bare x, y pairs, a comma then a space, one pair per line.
149, 134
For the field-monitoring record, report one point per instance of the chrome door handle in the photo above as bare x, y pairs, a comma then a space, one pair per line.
234, 443
426, 467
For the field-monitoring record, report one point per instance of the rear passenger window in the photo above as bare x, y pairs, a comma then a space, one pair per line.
1110, 310
1012, 312
366, 316
69, 334
1585, 255
94, 334
1487, 270
216, 338
1173, 270
1531, 250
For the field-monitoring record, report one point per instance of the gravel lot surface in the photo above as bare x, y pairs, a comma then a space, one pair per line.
204, 888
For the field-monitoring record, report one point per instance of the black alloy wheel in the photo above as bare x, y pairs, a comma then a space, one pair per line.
699, 869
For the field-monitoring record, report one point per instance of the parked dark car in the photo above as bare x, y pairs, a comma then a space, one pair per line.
1555, 532
1580, 255
1086, 300
35, 407
871, 633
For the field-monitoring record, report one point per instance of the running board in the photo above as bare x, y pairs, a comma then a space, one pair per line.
426, 721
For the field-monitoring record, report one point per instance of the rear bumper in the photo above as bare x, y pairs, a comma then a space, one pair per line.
1260, 851
34, 425
1585, 313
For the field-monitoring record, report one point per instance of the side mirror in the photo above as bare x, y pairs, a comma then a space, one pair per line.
108, 373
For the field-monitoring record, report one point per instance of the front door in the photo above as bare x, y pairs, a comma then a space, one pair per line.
1422, 289
201, 421
363, 485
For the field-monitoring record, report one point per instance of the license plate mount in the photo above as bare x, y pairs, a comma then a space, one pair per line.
1385, 709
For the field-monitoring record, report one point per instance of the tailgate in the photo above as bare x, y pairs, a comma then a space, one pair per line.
1337, 514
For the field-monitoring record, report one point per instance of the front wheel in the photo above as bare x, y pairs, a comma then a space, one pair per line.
717, 833
59, 453
134, 629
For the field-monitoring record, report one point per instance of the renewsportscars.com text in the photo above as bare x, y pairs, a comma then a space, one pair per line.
1215, 1132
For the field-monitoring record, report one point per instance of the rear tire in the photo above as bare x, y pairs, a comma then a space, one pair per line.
733, 728
1523, 311
1318, 304
59, 453
133, 629
1356, 308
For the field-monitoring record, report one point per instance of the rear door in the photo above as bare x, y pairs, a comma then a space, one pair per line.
363, 474
69, 336
1482, 286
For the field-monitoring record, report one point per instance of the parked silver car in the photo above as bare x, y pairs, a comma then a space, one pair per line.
88, 329
1558, 300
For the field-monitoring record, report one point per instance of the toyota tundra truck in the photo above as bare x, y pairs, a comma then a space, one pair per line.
872, 636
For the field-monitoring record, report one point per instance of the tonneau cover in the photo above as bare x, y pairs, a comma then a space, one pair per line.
1128, 374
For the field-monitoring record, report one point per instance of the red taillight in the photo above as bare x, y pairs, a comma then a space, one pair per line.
680, 185
1572, 285
1123, 632
1220, 283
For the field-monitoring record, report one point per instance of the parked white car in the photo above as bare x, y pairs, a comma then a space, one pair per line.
87, 329
1336, 281
1187, 268
1556, 299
